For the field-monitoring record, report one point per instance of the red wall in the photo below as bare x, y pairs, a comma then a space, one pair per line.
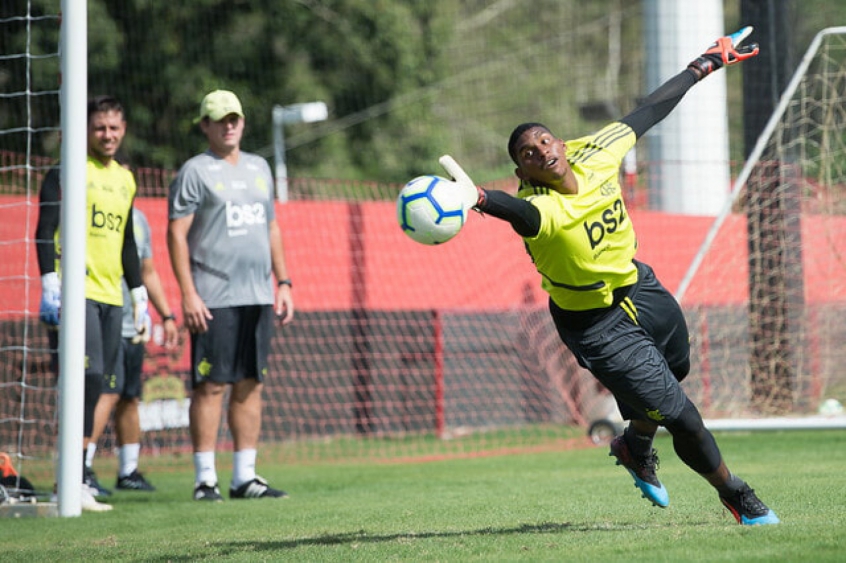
485, 266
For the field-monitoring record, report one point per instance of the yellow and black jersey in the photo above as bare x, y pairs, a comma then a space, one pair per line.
586, 242
110, 192
583, 244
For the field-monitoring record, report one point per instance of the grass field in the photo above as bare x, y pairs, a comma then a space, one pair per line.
554, 506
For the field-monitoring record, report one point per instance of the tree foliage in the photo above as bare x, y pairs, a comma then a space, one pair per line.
160, 58
404, 80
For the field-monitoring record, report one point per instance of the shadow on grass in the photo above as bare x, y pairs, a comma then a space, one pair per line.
362, 536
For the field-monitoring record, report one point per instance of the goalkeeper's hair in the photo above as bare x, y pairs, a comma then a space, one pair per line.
104, 104
515, 135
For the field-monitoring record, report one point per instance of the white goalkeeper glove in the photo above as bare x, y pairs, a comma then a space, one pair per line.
470, 194
144, 336
140, 314
51, 299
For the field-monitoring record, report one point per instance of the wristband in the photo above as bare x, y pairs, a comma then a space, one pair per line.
170, 317
286, 281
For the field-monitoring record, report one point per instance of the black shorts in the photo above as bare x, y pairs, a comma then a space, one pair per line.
102, 338
235, 347
639, 349
126, 379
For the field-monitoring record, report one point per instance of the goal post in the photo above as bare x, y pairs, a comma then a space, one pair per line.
74, 121
783, 217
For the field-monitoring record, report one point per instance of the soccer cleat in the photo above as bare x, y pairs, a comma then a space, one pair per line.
748, 509
257, 488
87, 500
91, 504
135, 481
90, 479
208, 492
643, 472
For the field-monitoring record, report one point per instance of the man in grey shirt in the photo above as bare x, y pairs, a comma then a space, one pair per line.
224, 245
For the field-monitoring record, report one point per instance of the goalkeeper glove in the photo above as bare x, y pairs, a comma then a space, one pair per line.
144, 335
51, 299
140, 315
471, 195
724, 51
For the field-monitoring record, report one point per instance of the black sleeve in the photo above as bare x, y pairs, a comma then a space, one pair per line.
524, 217
129, 257
49, 212
660, 102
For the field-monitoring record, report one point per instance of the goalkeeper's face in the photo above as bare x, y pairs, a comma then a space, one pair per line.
106, 130
541, 158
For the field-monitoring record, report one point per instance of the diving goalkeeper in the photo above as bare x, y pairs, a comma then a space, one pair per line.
608, 308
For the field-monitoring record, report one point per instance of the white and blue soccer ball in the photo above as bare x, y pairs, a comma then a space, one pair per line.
830, 407
429, 210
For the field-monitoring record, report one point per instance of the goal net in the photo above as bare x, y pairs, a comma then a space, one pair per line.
766, 292
400, 350
29, 121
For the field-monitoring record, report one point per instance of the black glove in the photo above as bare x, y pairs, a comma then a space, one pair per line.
724, 51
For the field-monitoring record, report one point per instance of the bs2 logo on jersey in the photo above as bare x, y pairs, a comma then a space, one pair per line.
612, 219
108, 221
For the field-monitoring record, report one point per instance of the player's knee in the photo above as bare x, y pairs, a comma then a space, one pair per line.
687, 422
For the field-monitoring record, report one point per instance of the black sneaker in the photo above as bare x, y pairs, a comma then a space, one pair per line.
748, 509
642, 470
208, 492
257, 488
134, 482
90, 478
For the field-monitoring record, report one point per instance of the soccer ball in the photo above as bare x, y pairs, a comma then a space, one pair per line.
830, 407
429, 210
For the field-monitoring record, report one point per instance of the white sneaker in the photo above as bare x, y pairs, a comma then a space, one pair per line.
88, 501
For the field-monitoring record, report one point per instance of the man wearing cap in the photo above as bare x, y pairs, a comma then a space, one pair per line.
224, 242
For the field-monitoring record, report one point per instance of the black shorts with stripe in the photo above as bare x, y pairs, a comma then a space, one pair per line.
235, 346
639, 348
126, 379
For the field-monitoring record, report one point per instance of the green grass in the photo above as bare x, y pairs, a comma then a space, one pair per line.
561, 506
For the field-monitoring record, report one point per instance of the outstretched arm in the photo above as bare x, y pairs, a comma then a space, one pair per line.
725, 51
523, 216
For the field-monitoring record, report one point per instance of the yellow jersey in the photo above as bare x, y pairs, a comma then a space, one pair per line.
110, 193
586, 243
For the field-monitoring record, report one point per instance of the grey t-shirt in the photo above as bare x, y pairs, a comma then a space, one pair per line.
228, 239
144, 242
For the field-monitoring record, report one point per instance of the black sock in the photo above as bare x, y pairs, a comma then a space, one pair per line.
639, 444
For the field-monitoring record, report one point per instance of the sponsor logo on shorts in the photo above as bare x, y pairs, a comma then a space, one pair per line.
204, 367
655, 415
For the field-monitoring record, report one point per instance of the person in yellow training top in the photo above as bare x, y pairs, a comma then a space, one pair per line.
110, 256
609, 309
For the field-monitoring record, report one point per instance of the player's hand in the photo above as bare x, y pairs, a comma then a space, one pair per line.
140, 313
470, 194
143, 336
284, 304
51, 299
171, 334
195, 313
724, 51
